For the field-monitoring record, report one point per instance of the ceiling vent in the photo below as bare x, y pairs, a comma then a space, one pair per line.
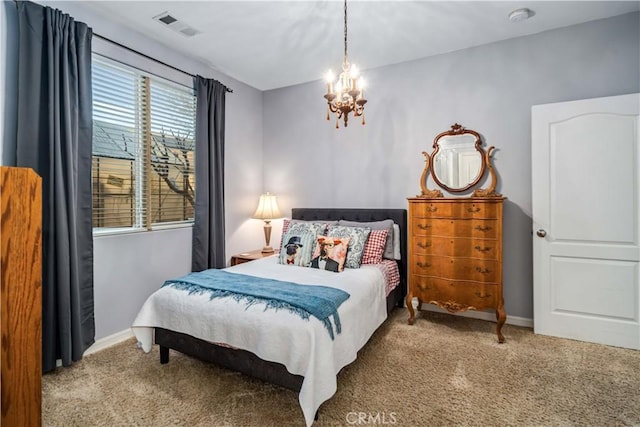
175, 24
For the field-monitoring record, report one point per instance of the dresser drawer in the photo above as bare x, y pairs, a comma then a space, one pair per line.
455, 246
455, 295
455, 210
483, 228
480, 270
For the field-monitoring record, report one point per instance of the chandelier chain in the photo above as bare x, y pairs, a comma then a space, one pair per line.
345, 30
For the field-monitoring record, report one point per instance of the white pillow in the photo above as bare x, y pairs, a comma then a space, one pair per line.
396, 242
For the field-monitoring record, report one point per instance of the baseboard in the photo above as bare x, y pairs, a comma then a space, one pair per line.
121, 336
107, 342
483, 315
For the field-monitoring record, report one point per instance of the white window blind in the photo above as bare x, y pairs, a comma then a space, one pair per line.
143, 148
172, 152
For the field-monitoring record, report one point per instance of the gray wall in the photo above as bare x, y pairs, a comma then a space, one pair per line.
129, 267
489, 88
279, 141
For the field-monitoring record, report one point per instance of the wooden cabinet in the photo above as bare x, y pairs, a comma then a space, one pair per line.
455, 255
21, 297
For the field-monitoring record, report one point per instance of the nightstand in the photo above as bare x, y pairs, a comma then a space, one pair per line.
249, 256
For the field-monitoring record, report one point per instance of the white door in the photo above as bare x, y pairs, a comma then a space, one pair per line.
585, 194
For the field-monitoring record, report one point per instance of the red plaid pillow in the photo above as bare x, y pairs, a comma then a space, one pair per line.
374, 248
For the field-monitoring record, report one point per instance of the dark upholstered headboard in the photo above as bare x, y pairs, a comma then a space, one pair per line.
399, 216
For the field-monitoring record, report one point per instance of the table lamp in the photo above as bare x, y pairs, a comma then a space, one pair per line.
267, 210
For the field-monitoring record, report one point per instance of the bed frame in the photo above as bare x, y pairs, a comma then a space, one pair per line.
276, 373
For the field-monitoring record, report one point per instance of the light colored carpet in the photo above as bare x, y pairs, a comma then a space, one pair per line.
442, 371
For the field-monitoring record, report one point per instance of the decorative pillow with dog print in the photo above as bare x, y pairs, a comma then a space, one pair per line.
358, 238
298, 243
287, 223
330, 253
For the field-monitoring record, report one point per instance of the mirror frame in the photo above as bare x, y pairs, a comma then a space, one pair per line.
456, 130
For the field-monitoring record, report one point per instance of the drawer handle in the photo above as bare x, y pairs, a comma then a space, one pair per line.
473, 210
481, 295
483, 228
485, 249
425, 265
483, 270
424, 245
430, 209
424, 226
424, 287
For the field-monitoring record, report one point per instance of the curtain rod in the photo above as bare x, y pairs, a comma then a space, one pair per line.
149, 57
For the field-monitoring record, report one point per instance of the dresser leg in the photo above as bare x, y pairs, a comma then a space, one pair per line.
501, 316
412, 313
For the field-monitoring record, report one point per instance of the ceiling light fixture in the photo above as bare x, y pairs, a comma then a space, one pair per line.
520, 14
348, 93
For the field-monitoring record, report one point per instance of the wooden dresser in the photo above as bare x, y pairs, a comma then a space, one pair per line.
21, 296
455, 255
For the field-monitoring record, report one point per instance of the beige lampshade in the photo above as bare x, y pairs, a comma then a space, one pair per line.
267, 207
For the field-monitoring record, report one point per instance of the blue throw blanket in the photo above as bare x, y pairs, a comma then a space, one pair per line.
321, 302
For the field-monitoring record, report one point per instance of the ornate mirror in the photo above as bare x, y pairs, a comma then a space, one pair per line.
457, 163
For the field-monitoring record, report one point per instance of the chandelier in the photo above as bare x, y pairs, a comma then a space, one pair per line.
347, 95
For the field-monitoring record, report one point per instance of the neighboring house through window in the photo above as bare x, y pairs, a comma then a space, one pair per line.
143, 149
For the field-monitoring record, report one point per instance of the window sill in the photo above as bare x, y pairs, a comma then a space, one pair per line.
170, 226
100, 232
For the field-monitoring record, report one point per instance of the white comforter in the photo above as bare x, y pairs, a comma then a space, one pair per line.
303, 346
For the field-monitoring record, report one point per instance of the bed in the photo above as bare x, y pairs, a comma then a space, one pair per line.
177, 331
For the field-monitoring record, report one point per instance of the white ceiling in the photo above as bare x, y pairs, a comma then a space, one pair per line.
272, 44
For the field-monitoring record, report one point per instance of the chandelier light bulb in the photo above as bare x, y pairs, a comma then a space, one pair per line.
329, 76
354, 71
361, 88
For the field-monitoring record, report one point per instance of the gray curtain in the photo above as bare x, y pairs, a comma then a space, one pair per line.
208, 230
54, 137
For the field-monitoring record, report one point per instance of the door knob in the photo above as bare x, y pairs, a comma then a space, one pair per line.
541, 233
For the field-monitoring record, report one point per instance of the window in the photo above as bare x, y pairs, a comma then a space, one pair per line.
143, 148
